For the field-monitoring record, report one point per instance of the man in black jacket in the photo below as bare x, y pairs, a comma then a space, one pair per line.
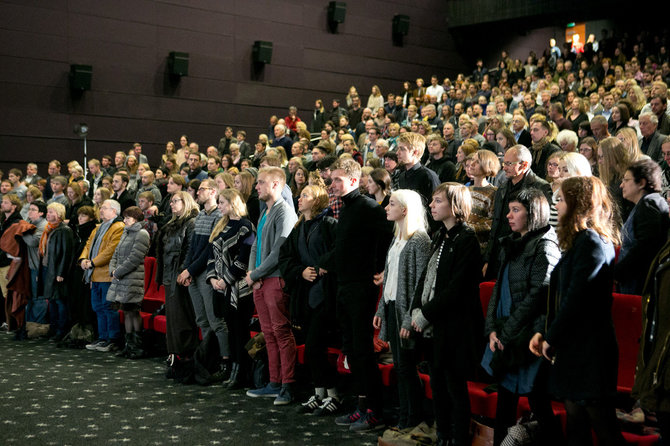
516, 165
364, 233
414, 175
119, 184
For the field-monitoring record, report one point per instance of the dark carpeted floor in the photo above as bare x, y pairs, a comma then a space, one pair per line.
56, 396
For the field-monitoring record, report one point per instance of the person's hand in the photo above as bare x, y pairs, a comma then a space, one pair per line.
153, 210
322, 272
59, 278
309, 274
377, 322
248, 280
484, 269
494, 342
183, 277
416, 327
221, 284
404, 333
547, 352
378, 278
535, 345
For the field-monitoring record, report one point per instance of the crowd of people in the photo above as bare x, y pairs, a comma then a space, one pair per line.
383, 226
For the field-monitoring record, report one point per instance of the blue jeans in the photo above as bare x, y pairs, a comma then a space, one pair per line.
36, 309
57, 315
108, 319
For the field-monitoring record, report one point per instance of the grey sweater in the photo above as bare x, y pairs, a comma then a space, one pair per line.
413, 259
278, 225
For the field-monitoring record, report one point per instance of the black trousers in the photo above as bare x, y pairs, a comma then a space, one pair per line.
356, 305
599, 416
410, 394
319, 321
451, 400
182, 332
237, 320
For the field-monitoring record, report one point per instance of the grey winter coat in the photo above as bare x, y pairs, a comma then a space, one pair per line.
413, 259
127, 266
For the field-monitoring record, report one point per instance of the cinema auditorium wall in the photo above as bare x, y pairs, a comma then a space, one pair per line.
132, 98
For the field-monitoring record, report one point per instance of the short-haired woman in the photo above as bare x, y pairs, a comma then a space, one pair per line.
312, 291
515, 310
57, 256
127, 270
173, 242
231, 241
646, 229
579, 337
405, 262
446, 303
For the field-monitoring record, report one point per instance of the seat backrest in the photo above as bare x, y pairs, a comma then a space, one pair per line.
485, 292
149, 271
627, 317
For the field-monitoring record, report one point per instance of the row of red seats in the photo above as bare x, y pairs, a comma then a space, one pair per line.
626, 314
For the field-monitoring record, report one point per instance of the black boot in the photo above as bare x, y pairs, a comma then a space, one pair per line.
234, 371
123, 353
136, 350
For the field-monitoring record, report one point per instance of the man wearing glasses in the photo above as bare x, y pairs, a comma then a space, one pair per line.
94, 260
195, 274
516, 165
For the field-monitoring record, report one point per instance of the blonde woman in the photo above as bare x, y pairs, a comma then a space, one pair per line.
173, 242
312, 303
484, 164
376, 100
231, 241
405, 261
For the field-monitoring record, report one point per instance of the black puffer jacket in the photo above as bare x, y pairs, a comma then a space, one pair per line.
531, 260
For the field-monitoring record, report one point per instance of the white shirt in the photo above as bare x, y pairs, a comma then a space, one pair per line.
392, 261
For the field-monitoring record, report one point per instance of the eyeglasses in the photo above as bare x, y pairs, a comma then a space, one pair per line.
552, 164
175, 200
200, 189
511, 163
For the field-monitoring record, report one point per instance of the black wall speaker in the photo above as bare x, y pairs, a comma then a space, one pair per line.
80, 77
262, 52
336, 12
400, 24
178, 64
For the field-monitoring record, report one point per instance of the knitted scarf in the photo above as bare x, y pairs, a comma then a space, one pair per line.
45, 237
537, 148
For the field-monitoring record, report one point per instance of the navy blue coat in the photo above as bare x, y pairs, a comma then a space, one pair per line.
579, 323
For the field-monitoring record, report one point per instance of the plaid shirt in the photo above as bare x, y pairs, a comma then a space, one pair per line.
335, 204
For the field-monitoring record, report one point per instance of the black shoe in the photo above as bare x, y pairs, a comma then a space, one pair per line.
21, 334
135, 350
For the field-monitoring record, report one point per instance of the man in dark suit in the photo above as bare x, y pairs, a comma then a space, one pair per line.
651, 140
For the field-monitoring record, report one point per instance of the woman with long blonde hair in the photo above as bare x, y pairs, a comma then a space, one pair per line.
173, 242
312, 291
231, 241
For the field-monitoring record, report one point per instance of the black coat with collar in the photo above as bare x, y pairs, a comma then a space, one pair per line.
60, 260
499, 225
455, 311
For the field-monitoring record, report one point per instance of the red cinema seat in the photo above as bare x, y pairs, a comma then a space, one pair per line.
485, 292
627, 317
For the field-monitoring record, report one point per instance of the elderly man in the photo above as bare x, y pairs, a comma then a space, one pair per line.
281, 138
36, 310
599, 128
651, 141
516, 164
94, 260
